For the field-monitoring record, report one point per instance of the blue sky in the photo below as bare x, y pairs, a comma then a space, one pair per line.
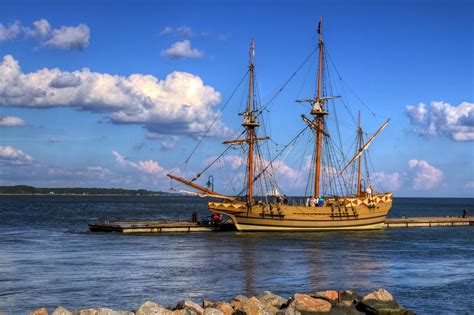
71, 114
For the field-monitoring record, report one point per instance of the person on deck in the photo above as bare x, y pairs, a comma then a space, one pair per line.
369, 192
312, 202
285, 199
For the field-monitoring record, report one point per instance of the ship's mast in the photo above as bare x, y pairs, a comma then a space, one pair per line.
319, 113
359, 168
250, 124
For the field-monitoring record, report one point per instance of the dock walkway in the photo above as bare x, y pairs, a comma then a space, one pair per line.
188, 226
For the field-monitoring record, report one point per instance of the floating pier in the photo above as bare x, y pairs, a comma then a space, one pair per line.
127, 227
158, 227
428, 222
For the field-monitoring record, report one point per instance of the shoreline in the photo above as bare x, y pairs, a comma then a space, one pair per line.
379, 301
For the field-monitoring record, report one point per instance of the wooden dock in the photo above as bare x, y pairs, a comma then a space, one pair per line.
428, 222
157, 227
127, 227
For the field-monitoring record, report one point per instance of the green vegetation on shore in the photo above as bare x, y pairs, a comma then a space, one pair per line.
30, 190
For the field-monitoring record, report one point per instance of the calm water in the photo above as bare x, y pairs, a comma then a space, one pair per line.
48, 257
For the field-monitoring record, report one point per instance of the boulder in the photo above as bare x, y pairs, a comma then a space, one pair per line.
348, 297
240, 298
304, 303
39, 311
88, 311
212, 311
152, 308
226, 308
329, 295
61, 311
272, 299
190, 307
108, 311
290, 310
254, 306
380, 301
344, 309
207, 303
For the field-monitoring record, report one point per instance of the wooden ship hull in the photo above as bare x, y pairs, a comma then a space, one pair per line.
351, 213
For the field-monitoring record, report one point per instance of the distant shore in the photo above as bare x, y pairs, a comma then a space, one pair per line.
24, 190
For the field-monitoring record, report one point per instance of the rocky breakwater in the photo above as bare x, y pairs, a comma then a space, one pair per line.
379, 301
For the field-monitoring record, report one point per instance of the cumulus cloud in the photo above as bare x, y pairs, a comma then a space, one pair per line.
426, 176
70, 37
11, 155
149, 166
443, 119
182, 50
41, 29
9, 32
179, 104
11, 121
64, 37
389, 181
65, 80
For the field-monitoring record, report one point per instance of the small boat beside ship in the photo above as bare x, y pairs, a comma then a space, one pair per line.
335, 200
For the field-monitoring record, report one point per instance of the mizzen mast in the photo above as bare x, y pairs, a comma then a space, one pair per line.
359, 166
318, 111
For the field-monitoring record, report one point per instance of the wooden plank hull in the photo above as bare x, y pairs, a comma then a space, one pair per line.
337, 214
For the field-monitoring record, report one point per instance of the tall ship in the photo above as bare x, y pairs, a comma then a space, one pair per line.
338, 195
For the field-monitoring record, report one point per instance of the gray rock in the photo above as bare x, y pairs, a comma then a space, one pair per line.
212, 311
61, 311
152, 308
344, 309
290, 310
379, 300
272, 299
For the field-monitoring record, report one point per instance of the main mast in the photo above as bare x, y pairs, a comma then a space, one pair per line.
318, 111
250, 124
359, 166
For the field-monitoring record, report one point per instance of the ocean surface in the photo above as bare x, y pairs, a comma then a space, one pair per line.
48, 257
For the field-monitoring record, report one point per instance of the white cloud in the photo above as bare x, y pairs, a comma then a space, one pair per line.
455, 122
11, 121
426, 176
41, 29
169, 144
149, 166
180, 31
388, 181
182, 50
179, 104
11, 155
64, 37
10, 32
70, 37
469, 185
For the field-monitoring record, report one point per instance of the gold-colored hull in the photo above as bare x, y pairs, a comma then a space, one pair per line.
344, 213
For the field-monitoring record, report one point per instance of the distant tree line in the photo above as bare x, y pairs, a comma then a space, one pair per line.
30, 190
